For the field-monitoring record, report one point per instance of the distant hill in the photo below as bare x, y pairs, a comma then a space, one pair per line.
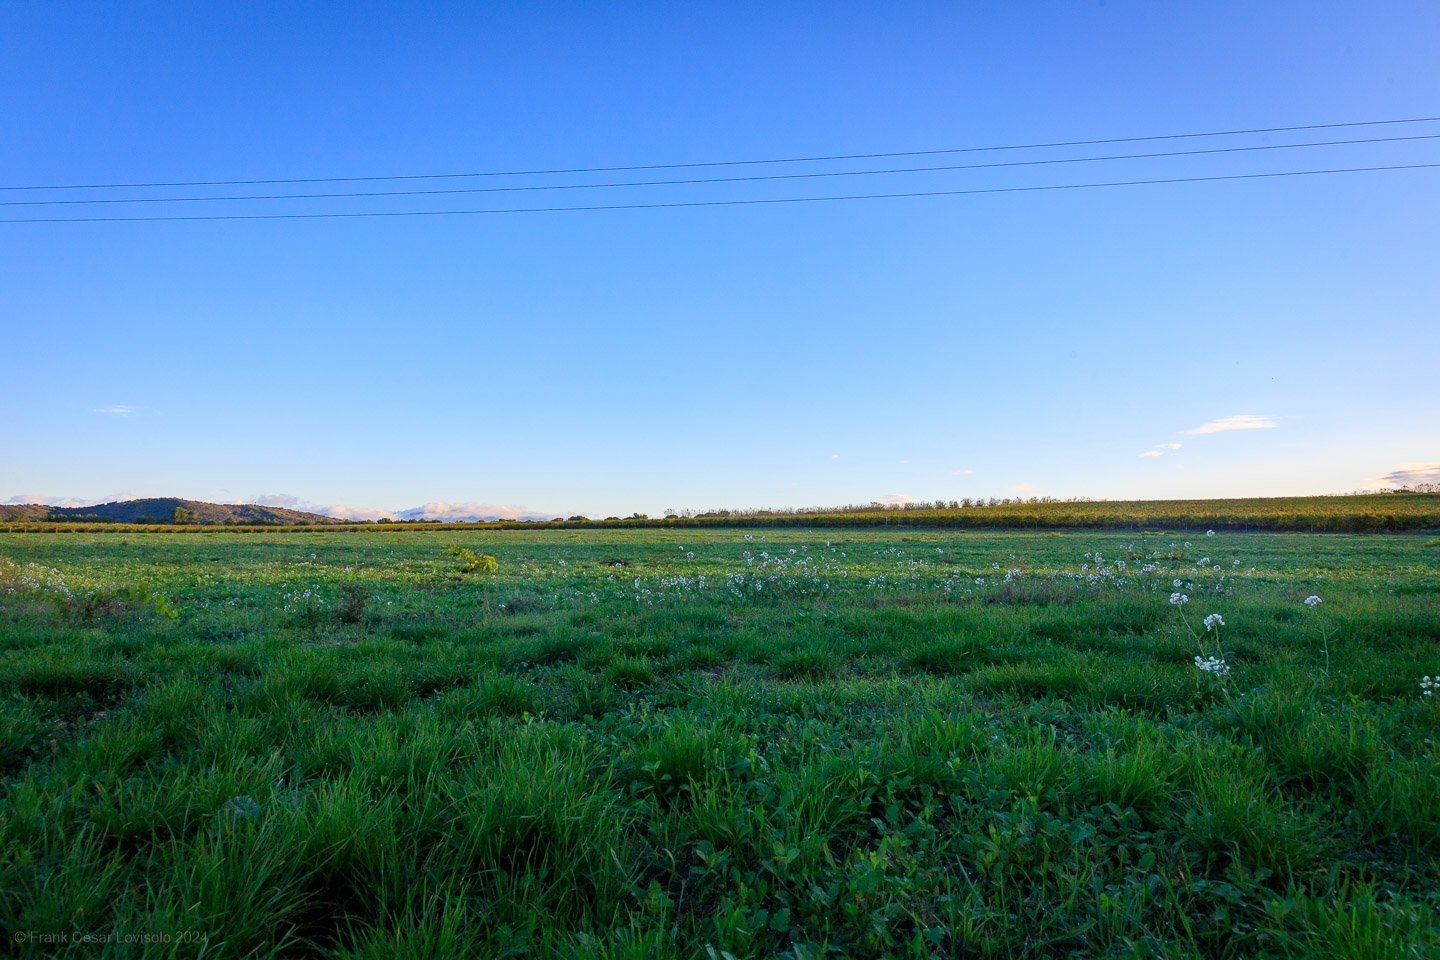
159, 510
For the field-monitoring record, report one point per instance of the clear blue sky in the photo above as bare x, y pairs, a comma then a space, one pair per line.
606, 362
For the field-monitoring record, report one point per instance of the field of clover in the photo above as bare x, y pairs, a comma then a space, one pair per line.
720, 743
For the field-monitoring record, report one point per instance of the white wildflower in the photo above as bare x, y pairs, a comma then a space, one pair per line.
1215, 666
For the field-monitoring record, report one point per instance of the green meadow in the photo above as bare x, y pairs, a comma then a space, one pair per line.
720, 743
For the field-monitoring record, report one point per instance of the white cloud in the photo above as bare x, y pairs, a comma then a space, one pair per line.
1167, 446
834, 456
286, 501
1151, 453
1244, 421
435, 510
1024, 488
117, 409
960, 473
897, 498
440, 510
354, 513
1159, 449
1410, 474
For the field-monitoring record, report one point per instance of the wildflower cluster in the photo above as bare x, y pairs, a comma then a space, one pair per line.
1215, 666
302, 599
31, 578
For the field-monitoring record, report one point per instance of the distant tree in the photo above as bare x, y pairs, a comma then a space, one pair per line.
573, 519
183, 515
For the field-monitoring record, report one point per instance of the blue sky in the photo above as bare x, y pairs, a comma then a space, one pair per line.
604, 362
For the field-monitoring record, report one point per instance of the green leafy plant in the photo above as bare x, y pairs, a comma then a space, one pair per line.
92, 605
472, 562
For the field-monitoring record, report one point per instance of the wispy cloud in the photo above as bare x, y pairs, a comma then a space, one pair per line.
834, 456
1151, 453
1410, 474
960, 473
1159, 449
1024, 488
1167, 446
897, 498
1243, 421
118, 410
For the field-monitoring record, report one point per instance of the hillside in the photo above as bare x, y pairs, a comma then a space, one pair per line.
160, 510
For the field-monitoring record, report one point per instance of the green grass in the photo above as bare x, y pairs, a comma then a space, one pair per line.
680, 743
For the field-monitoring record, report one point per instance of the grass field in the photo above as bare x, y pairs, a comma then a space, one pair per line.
715, 743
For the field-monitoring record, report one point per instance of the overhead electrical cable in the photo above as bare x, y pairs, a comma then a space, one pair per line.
725, 203
450, 191
731, 163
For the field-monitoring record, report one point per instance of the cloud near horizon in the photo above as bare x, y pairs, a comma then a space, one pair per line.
72, 501
440, 510
1410, 474
468, 512
899, 499
1243, 421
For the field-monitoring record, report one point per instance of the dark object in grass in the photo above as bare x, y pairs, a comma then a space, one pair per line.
518, 605
353, 598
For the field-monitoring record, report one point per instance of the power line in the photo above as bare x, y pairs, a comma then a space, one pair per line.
712, 180
726, 203
731, 163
